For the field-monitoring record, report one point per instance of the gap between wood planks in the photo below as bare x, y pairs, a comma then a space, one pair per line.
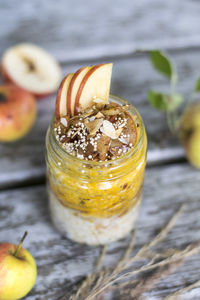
41, 179
131, 53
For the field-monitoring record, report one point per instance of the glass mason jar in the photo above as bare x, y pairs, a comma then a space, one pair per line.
95, 202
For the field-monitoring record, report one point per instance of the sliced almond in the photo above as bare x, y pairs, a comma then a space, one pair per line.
87, 112
109, 130
118, 132
99, 115
123, 140
94, 126
111, 112
64, 122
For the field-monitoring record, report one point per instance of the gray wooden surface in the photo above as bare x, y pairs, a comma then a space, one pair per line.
62, 263
77, 30
87, 32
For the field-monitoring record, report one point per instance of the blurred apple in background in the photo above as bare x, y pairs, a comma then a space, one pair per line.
31, 68
17, 112
193, 149
190, 133
18, 271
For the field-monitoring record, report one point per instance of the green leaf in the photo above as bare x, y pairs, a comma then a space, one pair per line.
163, 101
157, 100
197, 85
161, 63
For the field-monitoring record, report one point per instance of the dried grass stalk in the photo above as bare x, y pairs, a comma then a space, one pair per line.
174, 295
98, 277
164, 263
126, 255
188, 251
101, 257
149, 282
159, 237
141, 253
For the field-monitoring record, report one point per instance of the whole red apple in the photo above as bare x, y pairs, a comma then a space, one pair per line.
17, 112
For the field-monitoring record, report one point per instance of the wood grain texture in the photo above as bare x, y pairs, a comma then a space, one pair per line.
73, 30
79, 33
23, 161
62, 263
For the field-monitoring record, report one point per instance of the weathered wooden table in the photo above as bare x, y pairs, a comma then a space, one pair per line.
85, 32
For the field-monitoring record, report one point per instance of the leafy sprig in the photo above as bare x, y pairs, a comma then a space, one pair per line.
172, 101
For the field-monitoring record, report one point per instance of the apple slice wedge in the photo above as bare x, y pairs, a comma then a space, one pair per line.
61, 99
95, 83
73, 89
78, 90
31, 68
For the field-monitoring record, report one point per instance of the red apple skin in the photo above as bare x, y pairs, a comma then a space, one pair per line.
8, 79
83, 82
17, 274
58, 97
17, 112
69, 92
5, 76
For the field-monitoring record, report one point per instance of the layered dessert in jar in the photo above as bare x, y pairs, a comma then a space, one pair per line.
96, 156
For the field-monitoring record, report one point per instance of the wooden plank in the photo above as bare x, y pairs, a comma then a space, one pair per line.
62, 263
23, 161
90, 29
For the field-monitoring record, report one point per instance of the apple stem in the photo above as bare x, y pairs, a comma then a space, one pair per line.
20, 243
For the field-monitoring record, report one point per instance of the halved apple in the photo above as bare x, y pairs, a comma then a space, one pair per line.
95, 83
61, 99
31, 68
73, 88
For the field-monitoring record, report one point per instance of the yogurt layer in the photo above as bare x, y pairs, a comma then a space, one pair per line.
92, 231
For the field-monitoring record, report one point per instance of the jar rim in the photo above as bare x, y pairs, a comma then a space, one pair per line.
116, 160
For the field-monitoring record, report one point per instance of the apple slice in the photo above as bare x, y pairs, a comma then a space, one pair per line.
73, 88
32, 69
61, 99
95, 83
77, 91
